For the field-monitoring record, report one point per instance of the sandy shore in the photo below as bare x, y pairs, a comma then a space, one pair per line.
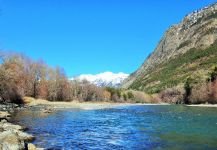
83, 105
203, 105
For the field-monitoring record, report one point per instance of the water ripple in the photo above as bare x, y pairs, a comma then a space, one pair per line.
132, 127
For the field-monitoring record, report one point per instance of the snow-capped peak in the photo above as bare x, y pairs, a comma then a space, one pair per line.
104, 79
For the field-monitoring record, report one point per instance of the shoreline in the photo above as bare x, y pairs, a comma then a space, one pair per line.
32, 102
13, 136
203, 105
84, 105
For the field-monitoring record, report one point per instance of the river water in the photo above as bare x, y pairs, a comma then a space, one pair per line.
126, 127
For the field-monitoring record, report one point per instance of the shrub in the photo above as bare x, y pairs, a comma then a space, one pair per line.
188, 89
212, 92
172, 95
199, 94
142, 97
125, 96
8, 89
130, 95
213, 75
115, 93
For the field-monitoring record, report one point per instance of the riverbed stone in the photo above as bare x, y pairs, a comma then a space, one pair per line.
10, 126
9, 140
1, 129
25, 136
3, 121
31, 146
12, 136
47, 110
4, 115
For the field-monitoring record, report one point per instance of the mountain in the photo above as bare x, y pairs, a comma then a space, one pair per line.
106, 79
186, 50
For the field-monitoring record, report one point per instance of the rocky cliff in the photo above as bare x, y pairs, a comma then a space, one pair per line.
197, 31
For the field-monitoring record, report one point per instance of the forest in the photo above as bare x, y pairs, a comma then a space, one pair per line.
21, 76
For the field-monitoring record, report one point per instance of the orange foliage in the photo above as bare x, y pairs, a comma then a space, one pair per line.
106, 95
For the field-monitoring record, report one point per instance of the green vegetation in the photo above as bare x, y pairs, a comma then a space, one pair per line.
188, 90
194, 63
125, 96
186, 43
213, 15
130, 95
213, 75
115, 93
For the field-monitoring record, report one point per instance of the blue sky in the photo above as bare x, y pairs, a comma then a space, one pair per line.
89, 36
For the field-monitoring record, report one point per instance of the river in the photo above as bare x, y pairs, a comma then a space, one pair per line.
125, 127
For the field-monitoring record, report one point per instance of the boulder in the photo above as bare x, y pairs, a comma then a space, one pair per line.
31, 146
4, 115
3, 121
10, 126
10, 140
25, 136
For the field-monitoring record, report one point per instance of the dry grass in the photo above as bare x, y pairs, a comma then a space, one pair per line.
28, 100
73, 104
200, 94
80, 105
172, 95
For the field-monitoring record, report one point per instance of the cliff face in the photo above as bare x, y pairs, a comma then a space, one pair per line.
197, 30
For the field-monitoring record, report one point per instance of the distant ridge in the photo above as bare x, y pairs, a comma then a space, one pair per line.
106, 79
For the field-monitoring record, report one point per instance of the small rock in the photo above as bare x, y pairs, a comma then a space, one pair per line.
25, 136
31, 146
4, 115
1, 130
4, 121
47, 110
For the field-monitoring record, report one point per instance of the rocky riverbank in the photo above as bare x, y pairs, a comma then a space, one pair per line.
12, 136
